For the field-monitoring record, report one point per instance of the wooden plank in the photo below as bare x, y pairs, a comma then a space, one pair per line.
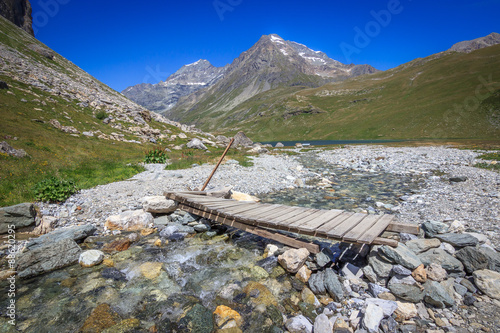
384, 241
361, 228
243, 208
263, 219
220, 205
403, 227
340, 230
321, 220
290, 214
312, 216
369, 236
287, 224
252, 219
321, 231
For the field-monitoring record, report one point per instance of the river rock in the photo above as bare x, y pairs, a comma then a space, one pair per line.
381, 267
333, 285
477, 258
436, 273
372, 318
400, 255
432, 228
47, 257
159, 205
419, 274
198, 319
458, 240
21, 215
436, 295
422, 244
196, 144
113, 273
324, 257
309, 298
293, 259
322, 324
317, 283
47, 224
400, 270
269, 263
299, 324
76, 233
375, 289
131, 220
101, 318
90, 258
405, 311
387, 306
488, 282
406, 288
303, 274
441, 257
225, 317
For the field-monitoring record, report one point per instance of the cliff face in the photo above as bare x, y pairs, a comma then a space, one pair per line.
19, 13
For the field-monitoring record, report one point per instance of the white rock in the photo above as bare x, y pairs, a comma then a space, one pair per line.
293, 259
299, 324
488, 282
90, 258
159, 205
271, 250
196, 144
322, 324
372, 318
387, 306
182, 136
130, 220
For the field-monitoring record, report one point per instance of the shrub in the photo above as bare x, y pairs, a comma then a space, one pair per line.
101, 115
54, 190
155, 156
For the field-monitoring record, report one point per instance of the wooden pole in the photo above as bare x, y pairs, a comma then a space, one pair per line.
220, 161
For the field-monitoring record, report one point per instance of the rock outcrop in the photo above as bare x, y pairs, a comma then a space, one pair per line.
19, 13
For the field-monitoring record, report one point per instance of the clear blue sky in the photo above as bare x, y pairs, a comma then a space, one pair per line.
123, 43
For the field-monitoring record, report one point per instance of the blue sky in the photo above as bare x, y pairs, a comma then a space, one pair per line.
123, 43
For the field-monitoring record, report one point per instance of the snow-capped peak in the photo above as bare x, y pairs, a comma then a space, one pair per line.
277, 39
194, 63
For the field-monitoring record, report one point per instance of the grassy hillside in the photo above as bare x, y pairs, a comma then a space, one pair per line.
448, 95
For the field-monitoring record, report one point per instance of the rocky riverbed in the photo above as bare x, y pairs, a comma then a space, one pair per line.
118, 258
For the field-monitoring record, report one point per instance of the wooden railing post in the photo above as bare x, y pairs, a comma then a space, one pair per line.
215, 169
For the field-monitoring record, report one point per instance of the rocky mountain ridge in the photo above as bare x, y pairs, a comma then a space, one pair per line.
476, 44
272, 62
163, 96
19, 13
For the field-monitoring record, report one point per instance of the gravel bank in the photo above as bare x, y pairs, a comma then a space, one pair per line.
475, 202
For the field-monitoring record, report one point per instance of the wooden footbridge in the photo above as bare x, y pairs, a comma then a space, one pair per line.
267, 219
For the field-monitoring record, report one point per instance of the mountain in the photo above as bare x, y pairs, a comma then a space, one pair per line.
162, 96
271, 63
476, 44
69, 124
446, 95
19, 13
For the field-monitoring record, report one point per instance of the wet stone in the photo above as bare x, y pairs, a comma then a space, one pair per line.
268, 263
113, 273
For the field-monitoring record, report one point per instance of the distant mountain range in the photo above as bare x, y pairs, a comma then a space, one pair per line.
271, 63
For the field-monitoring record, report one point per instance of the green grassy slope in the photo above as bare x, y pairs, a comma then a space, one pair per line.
448, 95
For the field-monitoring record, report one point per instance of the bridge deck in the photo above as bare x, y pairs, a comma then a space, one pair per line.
263, 219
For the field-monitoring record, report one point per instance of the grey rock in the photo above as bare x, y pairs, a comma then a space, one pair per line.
316, 283
162, 220
324, 257
375, 289
113, 273
406, 288
458, 179
432, 228
404, 237
333, 285
472, 259
422, 244
469, 285
201, 227
241, 140
400, 270
48, 257
458, 240
4, 85
493, 258
21, 215
441, 257
77, 233
351, 272
189, 218
381, 267
174, 227
268, 263
469, 299
159, 205
389, 325
369, 273
436, 295
196, 144
460, 289
279, 145
5, 148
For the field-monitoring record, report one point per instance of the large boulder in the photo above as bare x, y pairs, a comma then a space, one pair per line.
241, 140
22, 215
76, 233
401, 255
477, 258
441, 257
406, 288
458, 240
422, 244
196, 144
130, 220
333, 285
436, 295
48, 257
